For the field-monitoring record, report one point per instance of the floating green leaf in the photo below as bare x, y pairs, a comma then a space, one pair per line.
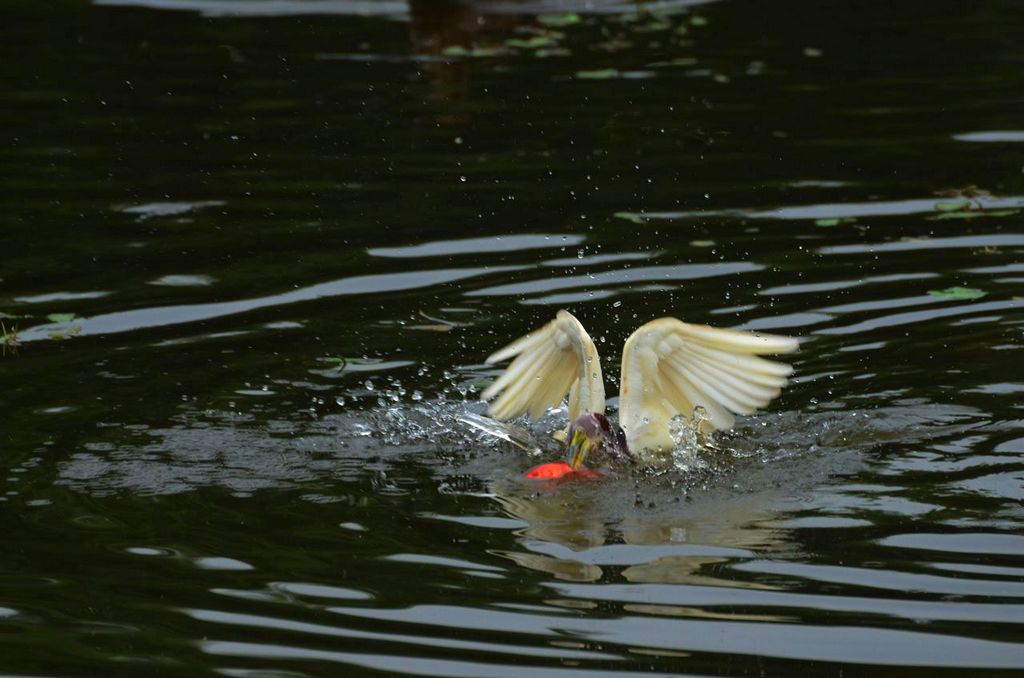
698, 20
835, 221
952, 205
559, 19
958, 293
554, 52
702, 243
66, 334
631, 217
974, 214
61, 317
477, 52
603, 74
536, 42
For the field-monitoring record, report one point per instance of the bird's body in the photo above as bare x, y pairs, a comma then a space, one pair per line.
669, 368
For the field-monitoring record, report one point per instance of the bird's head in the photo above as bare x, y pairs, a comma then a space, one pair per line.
588, 434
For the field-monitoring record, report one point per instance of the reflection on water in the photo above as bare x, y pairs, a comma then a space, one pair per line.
256, 252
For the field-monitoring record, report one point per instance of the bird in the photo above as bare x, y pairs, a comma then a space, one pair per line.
669, 368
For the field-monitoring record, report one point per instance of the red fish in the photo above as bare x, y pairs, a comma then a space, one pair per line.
560, 470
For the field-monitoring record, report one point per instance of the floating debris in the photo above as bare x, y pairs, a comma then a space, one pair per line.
553, 52
61, 335
559, 20
473, 52
9, 339
602, 74
834, 221
952, 205
959, 293
634, 217
536, 42
972, 213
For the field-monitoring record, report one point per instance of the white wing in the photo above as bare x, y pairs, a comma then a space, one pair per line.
669, 367
558, 358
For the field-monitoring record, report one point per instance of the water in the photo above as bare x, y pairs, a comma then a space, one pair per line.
277, 238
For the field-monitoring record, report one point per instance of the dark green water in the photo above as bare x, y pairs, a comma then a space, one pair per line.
228, 194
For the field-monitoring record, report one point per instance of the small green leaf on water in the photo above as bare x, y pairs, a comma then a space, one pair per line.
535, 42
604, 74
556, 52
973, 214
559, 19
60, 317
697, 20
630, 216
460, 51
952, 205
834, 221
66, 334
702, 243
958, 293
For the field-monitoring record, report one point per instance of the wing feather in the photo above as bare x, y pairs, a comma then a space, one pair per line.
743, 364
518, 377
737, 390
670, 367
759, 393
558, 359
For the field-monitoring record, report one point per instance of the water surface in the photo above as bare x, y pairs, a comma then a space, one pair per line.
256, 251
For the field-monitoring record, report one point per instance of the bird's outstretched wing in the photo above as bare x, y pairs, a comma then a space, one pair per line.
558, 358
670, 367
